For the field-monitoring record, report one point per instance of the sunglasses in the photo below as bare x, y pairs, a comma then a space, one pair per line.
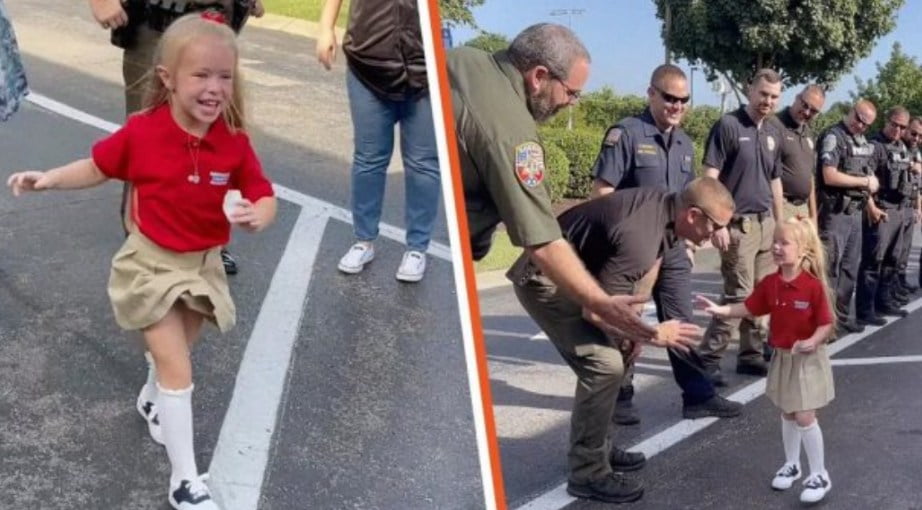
810, 110
670, 99
915, 134
715, 226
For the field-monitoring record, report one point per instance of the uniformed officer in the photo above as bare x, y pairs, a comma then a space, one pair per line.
883, 225
798, 151
652, 150
136, 27
742, 151
620, 237
845, 179
497, 99
912, 137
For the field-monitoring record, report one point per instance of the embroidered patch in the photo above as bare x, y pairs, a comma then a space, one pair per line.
829, 143
612, 136
801, 305
770, 142
529, 164
219, 178
743, 139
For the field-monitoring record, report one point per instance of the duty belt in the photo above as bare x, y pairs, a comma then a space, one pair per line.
159, 19
796, 202
744, 221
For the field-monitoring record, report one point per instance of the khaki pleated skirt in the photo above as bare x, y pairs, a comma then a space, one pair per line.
147, 280
800, 382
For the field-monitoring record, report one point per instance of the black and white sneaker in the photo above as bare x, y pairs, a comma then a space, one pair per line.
192, 495
148, 411
786, 476
815, 488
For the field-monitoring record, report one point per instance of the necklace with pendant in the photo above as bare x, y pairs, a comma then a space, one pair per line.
193, 156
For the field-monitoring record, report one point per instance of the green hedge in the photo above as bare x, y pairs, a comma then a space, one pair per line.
581, 147
557, 166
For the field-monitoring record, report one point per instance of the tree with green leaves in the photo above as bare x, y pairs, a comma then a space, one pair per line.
458, 12
898, 82
490, 42
805, 40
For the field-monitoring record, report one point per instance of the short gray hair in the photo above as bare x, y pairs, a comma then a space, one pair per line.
549, 45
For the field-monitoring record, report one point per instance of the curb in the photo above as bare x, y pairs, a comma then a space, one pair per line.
293, 26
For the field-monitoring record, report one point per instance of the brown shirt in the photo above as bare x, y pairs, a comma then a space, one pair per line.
798, 156
384, 48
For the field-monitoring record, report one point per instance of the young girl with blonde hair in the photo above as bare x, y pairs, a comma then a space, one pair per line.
181, 154
798, 300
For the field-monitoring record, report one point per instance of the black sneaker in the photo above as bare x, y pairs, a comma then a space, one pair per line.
612, 488
715, 406
230, 265
756, 368
625, 413
623, 461
849, 327
890, 309
192, 495
873, 320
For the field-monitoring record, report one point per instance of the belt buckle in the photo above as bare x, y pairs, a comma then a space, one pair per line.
746, 224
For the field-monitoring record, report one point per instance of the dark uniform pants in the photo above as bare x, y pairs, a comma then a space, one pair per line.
747, 260
841, 237
672, 295
598, 366
909, 223
880, 246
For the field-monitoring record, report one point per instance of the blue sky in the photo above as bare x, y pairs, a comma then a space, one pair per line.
623, 37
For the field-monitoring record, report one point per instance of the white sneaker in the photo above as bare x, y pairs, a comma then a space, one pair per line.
412, 267
192, 495
355, 259
148, 411
816, 487
786, 476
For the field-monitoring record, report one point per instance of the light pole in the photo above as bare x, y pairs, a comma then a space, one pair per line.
569, 14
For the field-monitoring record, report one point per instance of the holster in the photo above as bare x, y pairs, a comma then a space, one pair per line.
126, 36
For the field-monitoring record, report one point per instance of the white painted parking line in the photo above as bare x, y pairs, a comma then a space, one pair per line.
557, 498
882, 360
438, 250
242, 451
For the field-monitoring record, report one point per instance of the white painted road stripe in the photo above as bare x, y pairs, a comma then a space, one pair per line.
242, 452
438, 250
883, 360
558, 498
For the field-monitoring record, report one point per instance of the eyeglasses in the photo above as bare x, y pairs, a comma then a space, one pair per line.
915, 134
901, 127
712, 223
572, 93
670, 99
808, 109
861, 122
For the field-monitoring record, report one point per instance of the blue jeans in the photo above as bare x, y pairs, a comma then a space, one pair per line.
373, 122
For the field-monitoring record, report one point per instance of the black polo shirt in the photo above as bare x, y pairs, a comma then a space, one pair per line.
747, 157
798, 155
620, 235
636, 153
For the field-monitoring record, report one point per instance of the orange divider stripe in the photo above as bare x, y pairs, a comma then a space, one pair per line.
435, 24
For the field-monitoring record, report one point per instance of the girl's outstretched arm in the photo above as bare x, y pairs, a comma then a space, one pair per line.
726, 311
77, 175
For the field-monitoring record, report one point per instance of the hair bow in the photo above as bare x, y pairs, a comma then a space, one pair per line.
213, 15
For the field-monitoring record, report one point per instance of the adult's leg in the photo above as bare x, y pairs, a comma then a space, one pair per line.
753, 332
421, 171
373, 122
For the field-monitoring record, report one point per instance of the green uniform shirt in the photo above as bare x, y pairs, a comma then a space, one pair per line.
502, 162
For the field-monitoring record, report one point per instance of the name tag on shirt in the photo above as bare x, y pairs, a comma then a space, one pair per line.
801, 305
744, 139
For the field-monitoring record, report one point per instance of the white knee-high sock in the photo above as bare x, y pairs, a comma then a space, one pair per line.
813, 445
149, 391
790, 436
176, 422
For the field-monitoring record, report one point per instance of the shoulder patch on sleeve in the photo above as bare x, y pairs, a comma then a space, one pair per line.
612, 136
829, 143
529, 164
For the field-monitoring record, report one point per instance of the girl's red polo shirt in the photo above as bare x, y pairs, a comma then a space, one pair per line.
160, 159
796, 307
